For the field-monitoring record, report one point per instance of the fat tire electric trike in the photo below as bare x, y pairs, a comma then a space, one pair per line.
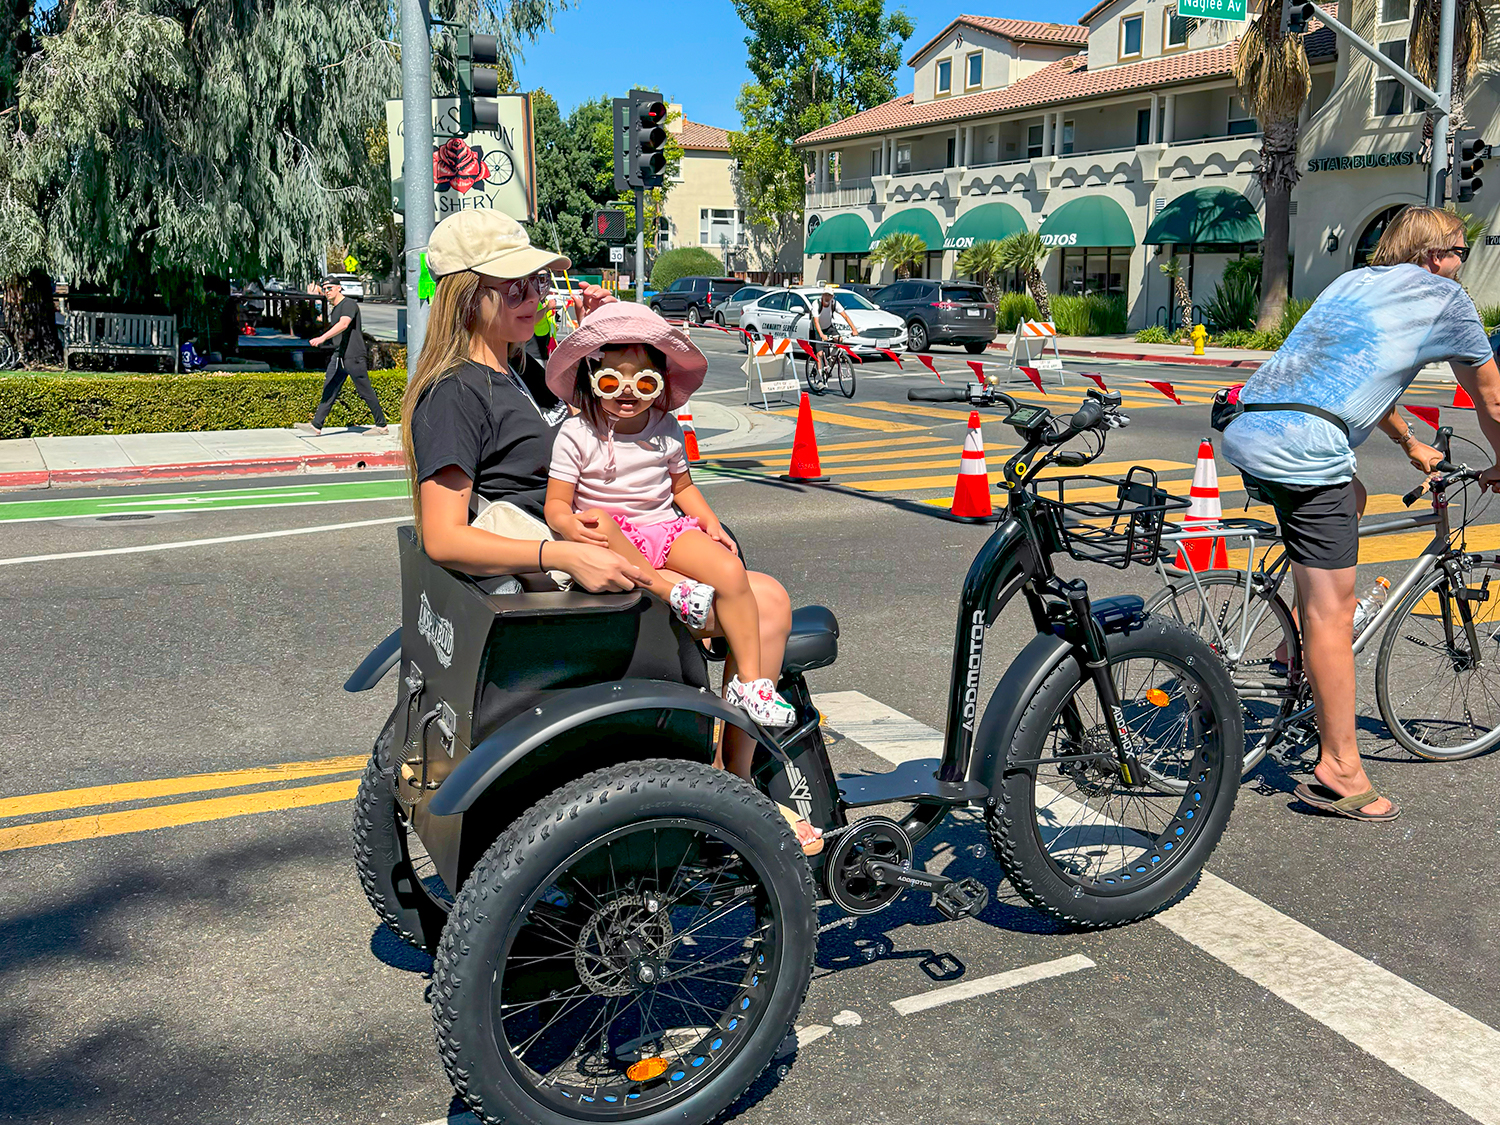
621, 931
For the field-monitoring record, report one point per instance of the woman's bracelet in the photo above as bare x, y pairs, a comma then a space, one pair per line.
539, 547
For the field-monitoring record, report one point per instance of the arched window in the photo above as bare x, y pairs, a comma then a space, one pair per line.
1364, 249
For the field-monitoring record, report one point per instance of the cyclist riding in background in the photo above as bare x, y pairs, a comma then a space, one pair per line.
1335, 380
827, 333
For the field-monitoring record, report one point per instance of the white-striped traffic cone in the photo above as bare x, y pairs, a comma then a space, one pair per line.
1203, 507
971, 491
689, 435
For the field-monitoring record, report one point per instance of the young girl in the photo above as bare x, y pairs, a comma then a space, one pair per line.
618, 468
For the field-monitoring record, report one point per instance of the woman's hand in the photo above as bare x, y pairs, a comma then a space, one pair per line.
593, 296
597, 569
1422, 455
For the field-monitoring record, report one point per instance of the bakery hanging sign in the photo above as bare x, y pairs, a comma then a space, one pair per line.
1402, 159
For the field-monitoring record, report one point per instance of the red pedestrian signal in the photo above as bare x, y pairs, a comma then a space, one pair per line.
609, 224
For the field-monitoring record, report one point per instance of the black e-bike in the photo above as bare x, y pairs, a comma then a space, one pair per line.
623, 932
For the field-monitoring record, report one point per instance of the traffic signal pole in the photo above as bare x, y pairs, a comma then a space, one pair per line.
640, 246
1441, 103
416, 166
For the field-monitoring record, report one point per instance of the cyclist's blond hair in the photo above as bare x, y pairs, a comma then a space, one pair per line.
1415, 233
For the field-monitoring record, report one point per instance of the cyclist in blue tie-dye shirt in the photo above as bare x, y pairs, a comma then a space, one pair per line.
1352, 354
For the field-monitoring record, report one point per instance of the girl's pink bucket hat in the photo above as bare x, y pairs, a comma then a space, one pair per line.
620, 323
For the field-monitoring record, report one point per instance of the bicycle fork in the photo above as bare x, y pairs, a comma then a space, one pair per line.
1096, 660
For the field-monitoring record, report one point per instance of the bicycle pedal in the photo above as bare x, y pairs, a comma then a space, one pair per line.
963, 897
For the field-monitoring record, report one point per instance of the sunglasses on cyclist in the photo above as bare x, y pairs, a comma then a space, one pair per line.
644, 385
1461, 252
513, 293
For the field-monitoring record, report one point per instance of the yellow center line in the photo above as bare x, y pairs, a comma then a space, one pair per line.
893, 484
786, 450
893, 455
854, 422
35, 803
921, 411
171, 816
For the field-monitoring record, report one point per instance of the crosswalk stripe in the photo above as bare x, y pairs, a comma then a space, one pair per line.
786, 450
889, 455
921, 411
854, 421
895, 484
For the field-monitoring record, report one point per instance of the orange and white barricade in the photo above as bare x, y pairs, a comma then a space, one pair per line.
769, 370
1028, 348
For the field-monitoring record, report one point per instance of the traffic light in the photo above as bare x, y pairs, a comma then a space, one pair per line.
646, 157
478, 80
1471, 157
609, 224
1294, 18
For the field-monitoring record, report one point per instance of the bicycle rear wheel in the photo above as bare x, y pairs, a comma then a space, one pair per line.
846, 375
816, 378
1247, 636
1437, 689
1074, 838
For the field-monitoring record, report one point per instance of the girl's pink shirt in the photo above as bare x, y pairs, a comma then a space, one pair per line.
632, 479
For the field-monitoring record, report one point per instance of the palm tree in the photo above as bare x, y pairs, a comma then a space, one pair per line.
982, 262
1471, 27
1274, 79
901, 251
1173, 269
1025, 251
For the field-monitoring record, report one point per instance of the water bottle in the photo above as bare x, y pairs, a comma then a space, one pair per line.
1369, 605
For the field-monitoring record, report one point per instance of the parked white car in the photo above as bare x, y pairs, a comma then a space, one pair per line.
350, 283
789, 312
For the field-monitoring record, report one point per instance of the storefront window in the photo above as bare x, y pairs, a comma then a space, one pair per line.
1095, 269
1364, 249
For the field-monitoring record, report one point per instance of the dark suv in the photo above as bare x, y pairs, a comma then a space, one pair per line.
941, 312
695, 299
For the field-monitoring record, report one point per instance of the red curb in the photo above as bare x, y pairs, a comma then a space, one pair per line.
1187, 360
116, 474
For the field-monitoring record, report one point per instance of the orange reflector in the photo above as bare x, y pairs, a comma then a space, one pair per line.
646, 1069
1158, 697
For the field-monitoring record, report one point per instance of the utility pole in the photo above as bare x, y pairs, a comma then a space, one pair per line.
640, 246
639, 162
416, 167
1437, 169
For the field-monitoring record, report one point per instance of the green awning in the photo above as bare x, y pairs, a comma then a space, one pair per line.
1094, 220
842, 234
1206, 216
989, 222
914, 220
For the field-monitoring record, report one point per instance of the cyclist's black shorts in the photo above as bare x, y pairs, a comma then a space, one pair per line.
1319, 523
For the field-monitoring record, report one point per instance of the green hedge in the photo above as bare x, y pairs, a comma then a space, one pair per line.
54, 406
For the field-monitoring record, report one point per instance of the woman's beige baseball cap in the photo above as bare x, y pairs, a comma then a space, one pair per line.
487, 242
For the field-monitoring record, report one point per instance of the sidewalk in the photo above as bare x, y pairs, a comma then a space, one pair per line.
62, 462
1125, 347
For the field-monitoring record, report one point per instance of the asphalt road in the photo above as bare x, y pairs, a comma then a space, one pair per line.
173, 954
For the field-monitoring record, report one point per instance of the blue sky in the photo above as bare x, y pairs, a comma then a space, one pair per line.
699, 56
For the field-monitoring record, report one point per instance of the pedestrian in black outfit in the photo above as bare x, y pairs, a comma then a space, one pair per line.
349, 359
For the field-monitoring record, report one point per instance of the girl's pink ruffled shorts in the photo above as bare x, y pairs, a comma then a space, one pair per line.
654, 540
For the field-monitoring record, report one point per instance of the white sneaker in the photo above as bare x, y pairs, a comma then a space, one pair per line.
760, 699
691, 602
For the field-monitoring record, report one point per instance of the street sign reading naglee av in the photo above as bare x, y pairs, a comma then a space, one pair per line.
1212, 9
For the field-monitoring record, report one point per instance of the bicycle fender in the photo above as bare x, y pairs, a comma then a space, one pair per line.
372, 669
1002, 716
487, 762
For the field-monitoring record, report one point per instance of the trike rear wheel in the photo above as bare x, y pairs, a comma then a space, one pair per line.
1075, 838
635, 947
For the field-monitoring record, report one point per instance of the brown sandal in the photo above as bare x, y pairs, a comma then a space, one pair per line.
1326, 800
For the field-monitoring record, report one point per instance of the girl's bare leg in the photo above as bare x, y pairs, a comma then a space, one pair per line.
696, 555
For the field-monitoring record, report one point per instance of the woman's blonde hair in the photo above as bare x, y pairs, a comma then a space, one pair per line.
1415, 233
452, 320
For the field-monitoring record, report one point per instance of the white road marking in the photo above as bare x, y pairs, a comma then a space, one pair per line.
802, 1037
846, 1018
1413, 1032
192, 499
983, 986
144, 548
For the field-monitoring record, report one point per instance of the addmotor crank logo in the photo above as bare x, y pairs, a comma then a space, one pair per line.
436, 631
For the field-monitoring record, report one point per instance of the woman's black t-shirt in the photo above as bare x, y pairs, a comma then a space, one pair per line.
497, 432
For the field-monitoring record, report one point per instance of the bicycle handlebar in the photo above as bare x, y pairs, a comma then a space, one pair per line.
1453, 475
937, 394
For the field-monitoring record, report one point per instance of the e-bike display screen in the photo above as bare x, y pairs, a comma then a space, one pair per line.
1027, 417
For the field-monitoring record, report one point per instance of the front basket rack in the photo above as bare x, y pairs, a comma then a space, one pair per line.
1111, 520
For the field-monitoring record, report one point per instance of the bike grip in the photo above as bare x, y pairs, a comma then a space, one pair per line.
937, 394
1090, 414
1446, 466
1414, 495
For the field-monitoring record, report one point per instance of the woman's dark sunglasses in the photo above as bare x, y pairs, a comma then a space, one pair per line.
513, 293
1461, 251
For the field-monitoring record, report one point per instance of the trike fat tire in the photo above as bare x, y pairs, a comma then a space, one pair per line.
382, 859
572, 909
1061, 741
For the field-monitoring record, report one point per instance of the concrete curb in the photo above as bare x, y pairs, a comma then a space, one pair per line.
203, 470
1185, 360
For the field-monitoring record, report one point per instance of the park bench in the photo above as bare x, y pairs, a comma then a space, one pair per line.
107, 333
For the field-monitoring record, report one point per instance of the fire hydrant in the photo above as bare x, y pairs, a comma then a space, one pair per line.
1199, 334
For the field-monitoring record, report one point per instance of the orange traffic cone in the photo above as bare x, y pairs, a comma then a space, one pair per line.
805, 468
1461, 399
971, 491
1203, 507
689, 436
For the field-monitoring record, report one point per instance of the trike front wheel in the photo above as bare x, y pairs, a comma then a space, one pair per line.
635, 947
1078, 839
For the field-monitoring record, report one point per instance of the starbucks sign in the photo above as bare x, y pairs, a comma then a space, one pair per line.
1401, 159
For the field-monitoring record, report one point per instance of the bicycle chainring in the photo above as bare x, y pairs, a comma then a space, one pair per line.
848, 882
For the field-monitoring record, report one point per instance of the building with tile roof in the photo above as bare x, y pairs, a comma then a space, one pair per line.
1131, 118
